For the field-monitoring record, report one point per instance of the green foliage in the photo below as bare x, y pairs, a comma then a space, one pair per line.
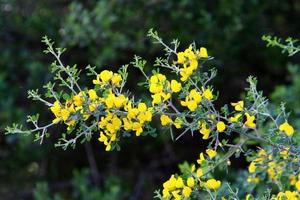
82, 189
289, 45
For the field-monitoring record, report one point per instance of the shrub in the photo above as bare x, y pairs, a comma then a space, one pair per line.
185, 101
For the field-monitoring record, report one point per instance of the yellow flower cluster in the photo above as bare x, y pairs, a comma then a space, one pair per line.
295, 182
250, 119
287, 195
68, 111
210, 153
137, 117
120, 113
188, 59
177, 188
192, 100
110, 124
259, 160
274, 169
107, 77
132, 118
161, 88
166, 120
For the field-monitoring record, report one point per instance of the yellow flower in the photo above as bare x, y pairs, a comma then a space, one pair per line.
248, 197
199, 173
156, 99
103, 77
119, 101
213, 184
157, 82
297, 185
78, 99
238, 106
192, 100
166, 193
287, 129
175, 86
204, 131
56, 110
221, 126
190, 182
65, 113
211, 153
288, 195
178, 122
203, 53
165, 120
252, 167
92, 107
292, 179
194, 95
93, 95
188, 61
201, 159
138, 128
179, 182
180, 58
235, 118
106, 75
208, 94
116, 79
250, 121
142, 107
186, 191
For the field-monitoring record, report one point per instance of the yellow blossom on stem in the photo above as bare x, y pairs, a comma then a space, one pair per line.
252, 167
103, 78
116, 79
192, 100
204, 131
297, 185
213, 184
207, 93
186, 191
178, 123
199, 173
93, 95
190, 182
238, 106
201, 159
175, 86
203, 52
165, 120
78, 99
235, 118
56, 110
211, 153
250, 121
221, 126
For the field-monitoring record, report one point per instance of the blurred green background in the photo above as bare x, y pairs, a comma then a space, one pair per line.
107, 34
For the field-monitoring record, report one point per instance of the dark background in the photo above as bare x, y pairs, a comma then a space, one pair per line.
108, 34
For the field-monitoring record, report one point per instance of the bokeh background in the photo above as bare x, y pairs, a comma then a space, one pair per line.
107, 34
